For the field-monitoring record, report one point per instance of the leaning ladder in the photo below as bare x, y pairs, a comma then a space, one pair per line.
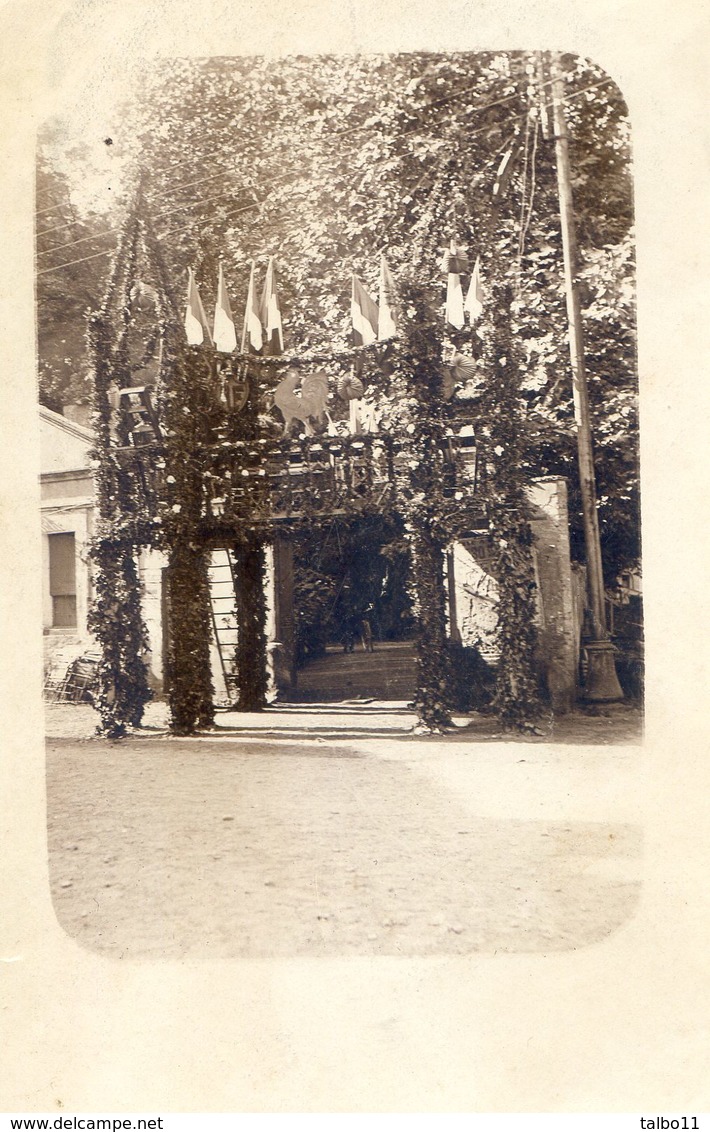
223, 608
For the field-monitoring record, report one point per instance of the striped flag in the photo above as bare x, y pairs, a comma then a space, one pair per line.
225, 334
387, 321
196, 327
505, 170
252, 335
365, 315
270, 313
474, 298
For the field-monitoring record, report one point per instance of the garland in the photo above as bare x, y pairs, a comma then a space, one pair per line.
115, 616
115, 619
200, 434
190, 690
251, 654
189, 413
517, 697
416, 412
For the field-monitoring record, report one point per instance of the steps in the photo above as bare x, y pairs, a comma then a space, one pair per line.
388, 673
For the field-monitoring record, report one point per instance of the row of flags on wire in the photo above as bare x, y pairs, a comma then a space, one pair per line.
262, 330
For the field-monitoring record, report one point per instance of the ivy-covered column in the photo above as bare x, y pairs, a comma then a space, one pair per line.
416, 415
116, 622
115, 617
432, 696
517, 697
190, 413
190, 686
251, 655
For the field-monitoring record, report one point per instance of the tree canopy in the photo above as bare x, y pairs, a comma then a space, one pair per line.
326, 162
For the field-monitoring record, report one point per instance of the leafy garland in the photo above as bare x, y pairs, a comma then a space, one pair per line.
251, 654
190, 690
115, 616
188, 413
517, 696
416, 410
197, 426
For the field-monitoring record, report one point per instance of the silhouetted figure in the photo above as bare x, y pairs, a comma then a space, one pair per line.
366, 635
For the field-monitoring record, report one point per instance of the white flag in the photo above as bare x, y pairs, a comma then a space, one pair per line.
270, 313
225, 334
454, 301
386, 323
196, 327
474, 299
253, 337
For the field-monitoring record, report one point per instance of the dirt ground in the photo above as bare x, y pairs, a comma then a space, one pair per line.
310, 832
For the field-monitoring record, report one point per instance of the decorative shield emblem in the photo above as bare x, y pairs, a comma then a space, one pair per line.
235, 385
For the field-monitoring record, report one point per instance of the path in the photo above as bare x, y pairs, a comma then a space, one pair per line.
249, 845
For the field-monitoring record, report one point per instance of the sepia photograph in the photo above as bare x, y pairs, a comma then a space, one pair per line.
352, 595
340, 507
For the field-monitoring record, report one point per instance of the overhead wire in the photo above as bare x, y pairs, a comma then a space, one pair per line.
533, 158
523, 192
111, 231
357, 129
191, 204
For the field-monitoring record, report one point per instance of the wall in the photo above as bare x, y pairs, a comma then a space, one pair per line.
558, 628
64, 445
67, 497
557, 597
151, 564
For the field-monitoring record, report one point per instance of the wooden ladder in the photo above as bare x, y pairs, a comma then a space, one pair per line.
223, 602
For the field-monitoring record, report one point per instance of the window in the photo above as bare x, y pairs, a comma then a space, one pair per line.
62, 580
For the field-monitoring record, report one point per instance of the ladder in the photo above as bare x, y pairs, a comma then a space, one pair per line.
223, 608
136, 404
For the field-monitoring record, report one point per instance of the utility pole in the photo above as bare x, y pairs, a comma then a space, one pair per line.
602, 684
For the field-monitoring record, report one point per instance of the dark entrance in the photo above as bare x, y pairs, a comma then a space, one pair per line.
354, 622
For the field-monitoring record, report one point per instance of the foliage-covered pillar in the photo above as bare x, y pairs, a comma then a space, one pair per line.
115, 618
189, 676
429, 606
517, 700
189, 412
417, 416
116, 622
251, 655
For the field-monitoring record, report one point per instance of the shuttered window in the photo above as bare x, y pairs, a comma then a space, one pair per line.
62, 580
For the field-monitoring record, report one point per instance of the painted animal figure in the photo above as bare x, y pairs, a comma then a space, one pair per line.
310, 404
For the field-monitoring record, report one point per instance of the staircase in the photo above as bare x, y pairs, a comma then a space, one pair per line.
388, 673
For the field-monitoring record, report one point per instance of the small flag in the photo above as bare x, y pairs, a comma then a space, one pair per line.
454, 301
225, 334
504, 170
387, 322
196, 326
474, 297
365, 315
252, 336
270, 313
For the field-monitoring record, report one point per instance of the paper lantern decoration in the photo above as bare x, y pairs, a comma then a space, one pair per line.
350, 388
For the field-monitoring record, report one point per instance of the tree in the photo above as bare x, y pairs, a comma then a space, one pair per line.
326, 162
66, 295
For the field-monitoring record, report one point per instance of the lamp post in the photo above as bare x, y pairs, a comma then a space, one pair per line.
601, 684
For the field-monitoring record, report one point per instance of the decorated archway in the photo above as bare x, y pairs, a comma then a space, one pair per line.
239, 450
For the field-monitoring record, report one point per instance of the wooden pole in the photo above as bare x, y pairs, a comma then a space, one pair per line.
602, 682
